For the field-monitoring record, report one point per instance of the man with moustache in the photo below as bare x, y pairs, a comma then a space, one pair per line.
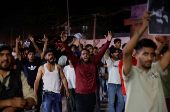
114, 80
15, 93
50, 74
143, 82
85, 70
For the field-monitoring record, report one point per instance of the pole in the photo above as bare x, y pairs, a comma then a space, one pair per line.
68, 19
94, 30
11, 35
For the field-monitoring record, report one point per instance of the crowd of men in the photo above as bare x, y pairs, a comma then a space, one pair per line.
135, 79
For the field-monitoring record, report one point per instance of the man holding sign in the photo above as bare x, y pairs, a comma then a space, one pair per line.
143, 81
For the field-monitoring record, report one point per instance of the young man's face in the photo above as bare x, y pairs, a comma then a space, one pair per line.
13, 49
90, 49
31, 56
85, 56
118, 44
145, 57
115, 54
50, 57
73, 48
95, 51
5, 59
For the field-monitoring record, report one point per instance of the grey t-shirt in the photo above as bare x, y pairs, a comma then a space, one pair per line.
144, 90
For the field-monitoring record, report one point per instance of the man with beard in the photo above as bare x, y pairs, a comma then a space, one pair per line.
31, 65
114, 80
143, 81
50, 74
15, 93
85, 70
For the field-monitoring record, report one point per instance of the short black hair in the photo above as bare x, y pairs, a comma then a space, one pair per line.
31, 50
85, 49
73, 45
13, 46
102, 45
145, 43
116, 40
95, 48
113, 50
88, 45
123, 45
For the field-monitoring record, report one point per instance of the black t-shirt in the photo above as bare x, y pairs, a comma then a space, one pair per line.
31, 69
18, 65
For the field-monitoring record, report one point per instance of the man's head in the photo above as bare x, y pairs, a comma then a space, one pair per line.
95, 50
90, 48
26, 50
5, 56
117, 43
13, 48
114, 52
73, 48
124, 45
49, 55
85, 55
145, 52
31, 55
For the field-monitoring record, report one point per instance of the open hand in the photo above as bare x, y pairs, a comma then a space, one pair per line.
109, 36
31, 38
146, 18
159, 39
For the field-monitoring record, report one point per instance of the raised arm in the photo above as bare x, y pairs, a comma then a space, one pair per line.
80, 48
165, 60
107, 54
33, 42
95, 43
36, 83
45, 47
63, 49
159, 49
98, 57
70, 54
17, 48
64, 80
128, 49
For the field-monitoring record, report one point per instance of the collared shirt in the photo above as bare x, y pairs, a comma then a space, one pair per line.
144, 90
26, 89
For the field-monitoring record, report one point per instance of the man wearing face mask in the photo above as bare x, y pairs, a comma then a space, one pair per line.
85, 70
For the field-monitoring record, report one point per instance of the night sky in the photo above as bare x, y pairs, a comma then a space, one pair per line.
43, 15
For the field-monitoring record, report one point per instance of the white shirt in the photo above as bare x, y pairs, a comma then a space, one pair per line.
113, 71
62, 60
14, 54
70, 76
144, 90
51, 80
